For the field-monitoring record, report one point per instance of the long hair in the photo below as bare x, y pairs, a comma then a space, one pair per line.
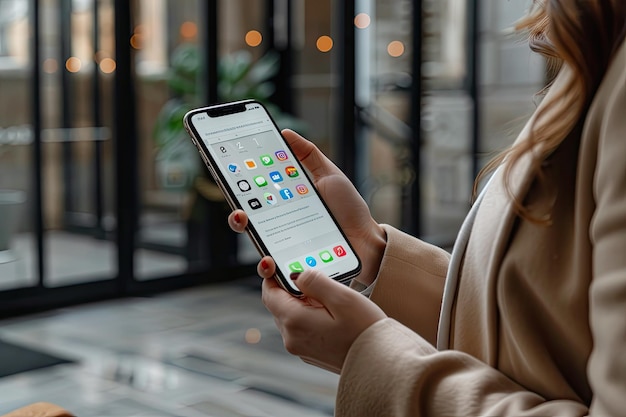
583, 35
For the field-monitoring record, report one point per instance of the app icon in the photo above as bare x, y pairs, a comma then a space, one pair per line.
291, 171
275, 176
260, 181
296, 267
266, 160
302, 189
270, 198
244, 185
281, 155
255, 204
286, 194
250, 164
310, 261
234, 168
223, 149
326, 256
339, 251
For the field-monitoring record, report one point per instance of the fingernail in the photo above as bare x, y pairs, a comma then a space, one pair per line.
264, 264
294, 276
237, 217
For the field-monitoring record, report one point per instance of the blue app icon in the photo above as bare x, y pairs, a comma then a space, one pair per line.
310, 261
234, 168
275, 176
286, 194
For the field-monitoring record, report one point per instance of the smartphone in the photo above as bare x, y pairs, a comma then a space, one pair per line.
256, 170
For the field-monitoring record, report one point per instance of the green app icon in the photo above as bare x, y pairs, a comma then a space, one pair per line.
296, 267
266, 160
260, 181
326, 256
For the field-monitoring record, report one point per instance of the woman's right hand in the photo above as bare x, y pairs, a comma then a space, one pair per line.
367, 237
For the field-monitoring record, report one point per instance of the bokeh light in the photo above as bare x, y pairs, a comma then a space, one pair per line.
254, 38
136, 41
107, 65
188, 30
253, 336
395, 49
73, 64
362, 20
324, 43
50, 66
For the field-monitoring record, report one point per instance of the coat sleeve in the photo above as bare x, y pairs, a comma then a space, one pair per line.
410, 282
392, 371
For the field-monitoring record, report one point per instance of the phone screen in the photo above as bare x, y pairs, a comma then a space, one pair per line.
287, 218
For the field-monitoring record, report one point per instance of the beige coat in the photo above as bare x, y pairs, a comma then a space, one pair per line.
536, 323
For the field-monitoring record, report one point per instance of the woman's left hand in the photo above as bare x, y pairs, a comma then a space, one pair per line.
321, 326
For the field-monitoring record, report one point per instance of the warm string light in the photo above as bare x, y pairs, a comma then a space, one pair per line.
136, 40
253, 336
324, 43
395, 49
362, 21
73, 64
50, 66
188, 30
107, 65
253, 38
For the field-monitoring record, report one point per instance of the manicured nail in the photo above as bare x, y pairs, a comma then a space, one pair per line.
294, 276
264, 264
236, 217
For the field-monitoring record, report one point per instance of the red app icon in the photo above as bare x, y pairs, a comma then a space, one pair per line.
291, 172
339, 251
302, 189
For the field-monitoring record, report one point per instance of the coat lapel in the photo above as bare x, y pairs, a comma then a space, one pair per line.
475, 307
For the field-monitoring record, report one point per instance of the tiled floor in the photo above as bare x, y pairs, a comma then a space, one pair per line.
210, 351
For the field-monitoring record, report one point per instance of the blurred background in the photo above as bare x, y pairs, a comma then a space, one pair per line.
101, 194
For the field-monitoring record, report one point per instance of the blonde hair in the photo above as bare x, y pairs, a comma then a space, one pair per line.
584, 35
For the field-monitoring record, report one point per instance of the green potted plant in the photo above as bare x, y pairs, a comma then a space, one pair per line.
240, 77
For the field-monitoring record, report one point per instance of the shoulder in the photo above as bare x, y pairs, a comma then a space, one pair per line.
611, 91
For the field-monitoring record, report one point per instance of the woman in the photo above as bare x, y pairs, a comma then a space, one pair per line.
531, 319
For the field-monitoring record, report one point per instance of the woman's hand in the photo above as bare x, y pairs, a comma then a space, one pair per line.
321, 326
366, 236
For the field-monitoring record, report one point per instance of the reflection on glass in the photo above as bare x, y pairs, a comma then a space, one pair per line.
79, 240
17, 255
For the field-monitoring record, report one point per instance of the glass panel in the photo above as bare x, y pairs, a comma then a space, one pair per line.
78, 166
166, 163
17, 235
384, 34
183, 214
315, 78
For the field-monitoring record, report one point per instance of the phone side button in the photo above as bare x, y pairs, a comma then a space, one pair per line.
212, 171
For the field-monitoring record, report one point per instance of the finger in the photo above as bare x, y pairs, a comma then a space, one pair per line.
238, 220
314, 284
266, 267
278, 301
311, 157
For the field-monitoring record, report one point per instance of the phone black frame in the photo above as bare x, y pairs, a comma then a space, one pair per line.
224, 109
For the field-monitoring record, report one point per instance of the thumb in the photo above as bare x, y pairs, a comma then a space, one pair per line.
314, 284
